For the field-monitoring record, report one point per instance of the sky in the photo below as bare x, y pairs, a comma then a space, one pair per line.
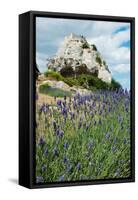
111, 38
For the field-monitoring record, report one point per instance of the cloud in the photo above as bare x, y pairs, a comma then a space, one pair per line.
121, 68
41, 60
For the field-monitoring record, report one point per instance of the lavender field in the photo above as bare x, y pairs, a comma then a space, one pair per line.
83, 137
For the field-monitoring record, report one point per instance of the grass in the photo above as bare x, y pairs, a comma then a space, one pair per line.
85, 137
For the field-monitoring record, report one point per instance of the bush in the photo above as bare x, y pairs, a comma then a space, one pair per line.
115, 85
85, 46
104, 63
71, 81
98, 59
54, 75
94, 47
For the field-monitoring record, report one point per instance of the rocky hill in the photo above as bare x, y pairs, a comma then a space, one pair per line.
76, 55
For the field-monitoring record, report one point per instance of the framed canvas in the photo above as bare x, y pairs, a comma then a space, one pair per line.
76, 99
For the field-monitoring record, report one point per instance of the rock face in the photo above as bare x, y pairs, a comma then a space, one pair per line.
76, 52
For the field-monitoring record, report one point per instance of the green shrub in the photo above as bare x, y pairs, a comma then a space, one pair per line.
115, 85
104, 63
53, 75
98, 59
43, 88
71, 81
94, 47
85, 46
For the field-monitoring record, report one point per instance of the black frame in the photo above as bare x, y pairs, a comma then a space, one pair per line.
27, 97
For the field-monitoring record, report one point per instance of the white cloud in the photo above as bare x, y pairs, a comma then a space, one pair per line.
121, 68
101, 28
110, 47
41, 60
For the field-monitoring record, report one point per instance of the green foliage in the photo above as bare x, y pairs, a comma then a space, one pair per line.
53, 75
85, 46
104, 63
54, 92
115, 85
71, 81
98, 59
94, 47
43, 87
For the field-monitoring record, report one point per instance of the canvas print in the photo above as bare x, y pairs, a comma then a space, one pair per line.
83, 126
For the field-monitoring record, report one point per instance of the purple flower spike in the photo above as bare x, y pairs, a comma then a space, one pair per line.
65, 160
39, 179
43, 108
79, 125
69, 169
61, 133
66, 145
55, 151
43, 168
78, 166
125, 141
59, 103
61, 178
107, 136
41, 142
46, 152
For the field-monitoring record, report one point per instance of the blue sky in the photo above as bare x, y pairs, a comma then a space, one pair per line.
111, 38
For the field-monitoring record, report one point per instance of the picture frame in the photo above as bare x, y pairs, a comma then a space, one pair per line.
27, 99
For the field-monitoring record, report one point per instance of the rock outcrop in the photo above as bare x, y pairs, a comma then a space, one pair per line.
76, 52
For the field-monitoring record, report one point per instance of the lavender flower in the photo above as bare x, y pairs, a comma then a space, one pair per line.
55, 151
66, 145
39, 179
65, 160
117, 173
61, 133
46, 152
90, 145
69, 169
43, 108
107, 136
114, 148
100, 122
124, 140
78, 166
61, 178
79, 125
41, 141
59, 103
43, 168
54, 124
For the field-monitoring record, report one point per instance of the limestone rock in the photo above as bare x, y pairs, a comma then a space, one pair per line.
75, 52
